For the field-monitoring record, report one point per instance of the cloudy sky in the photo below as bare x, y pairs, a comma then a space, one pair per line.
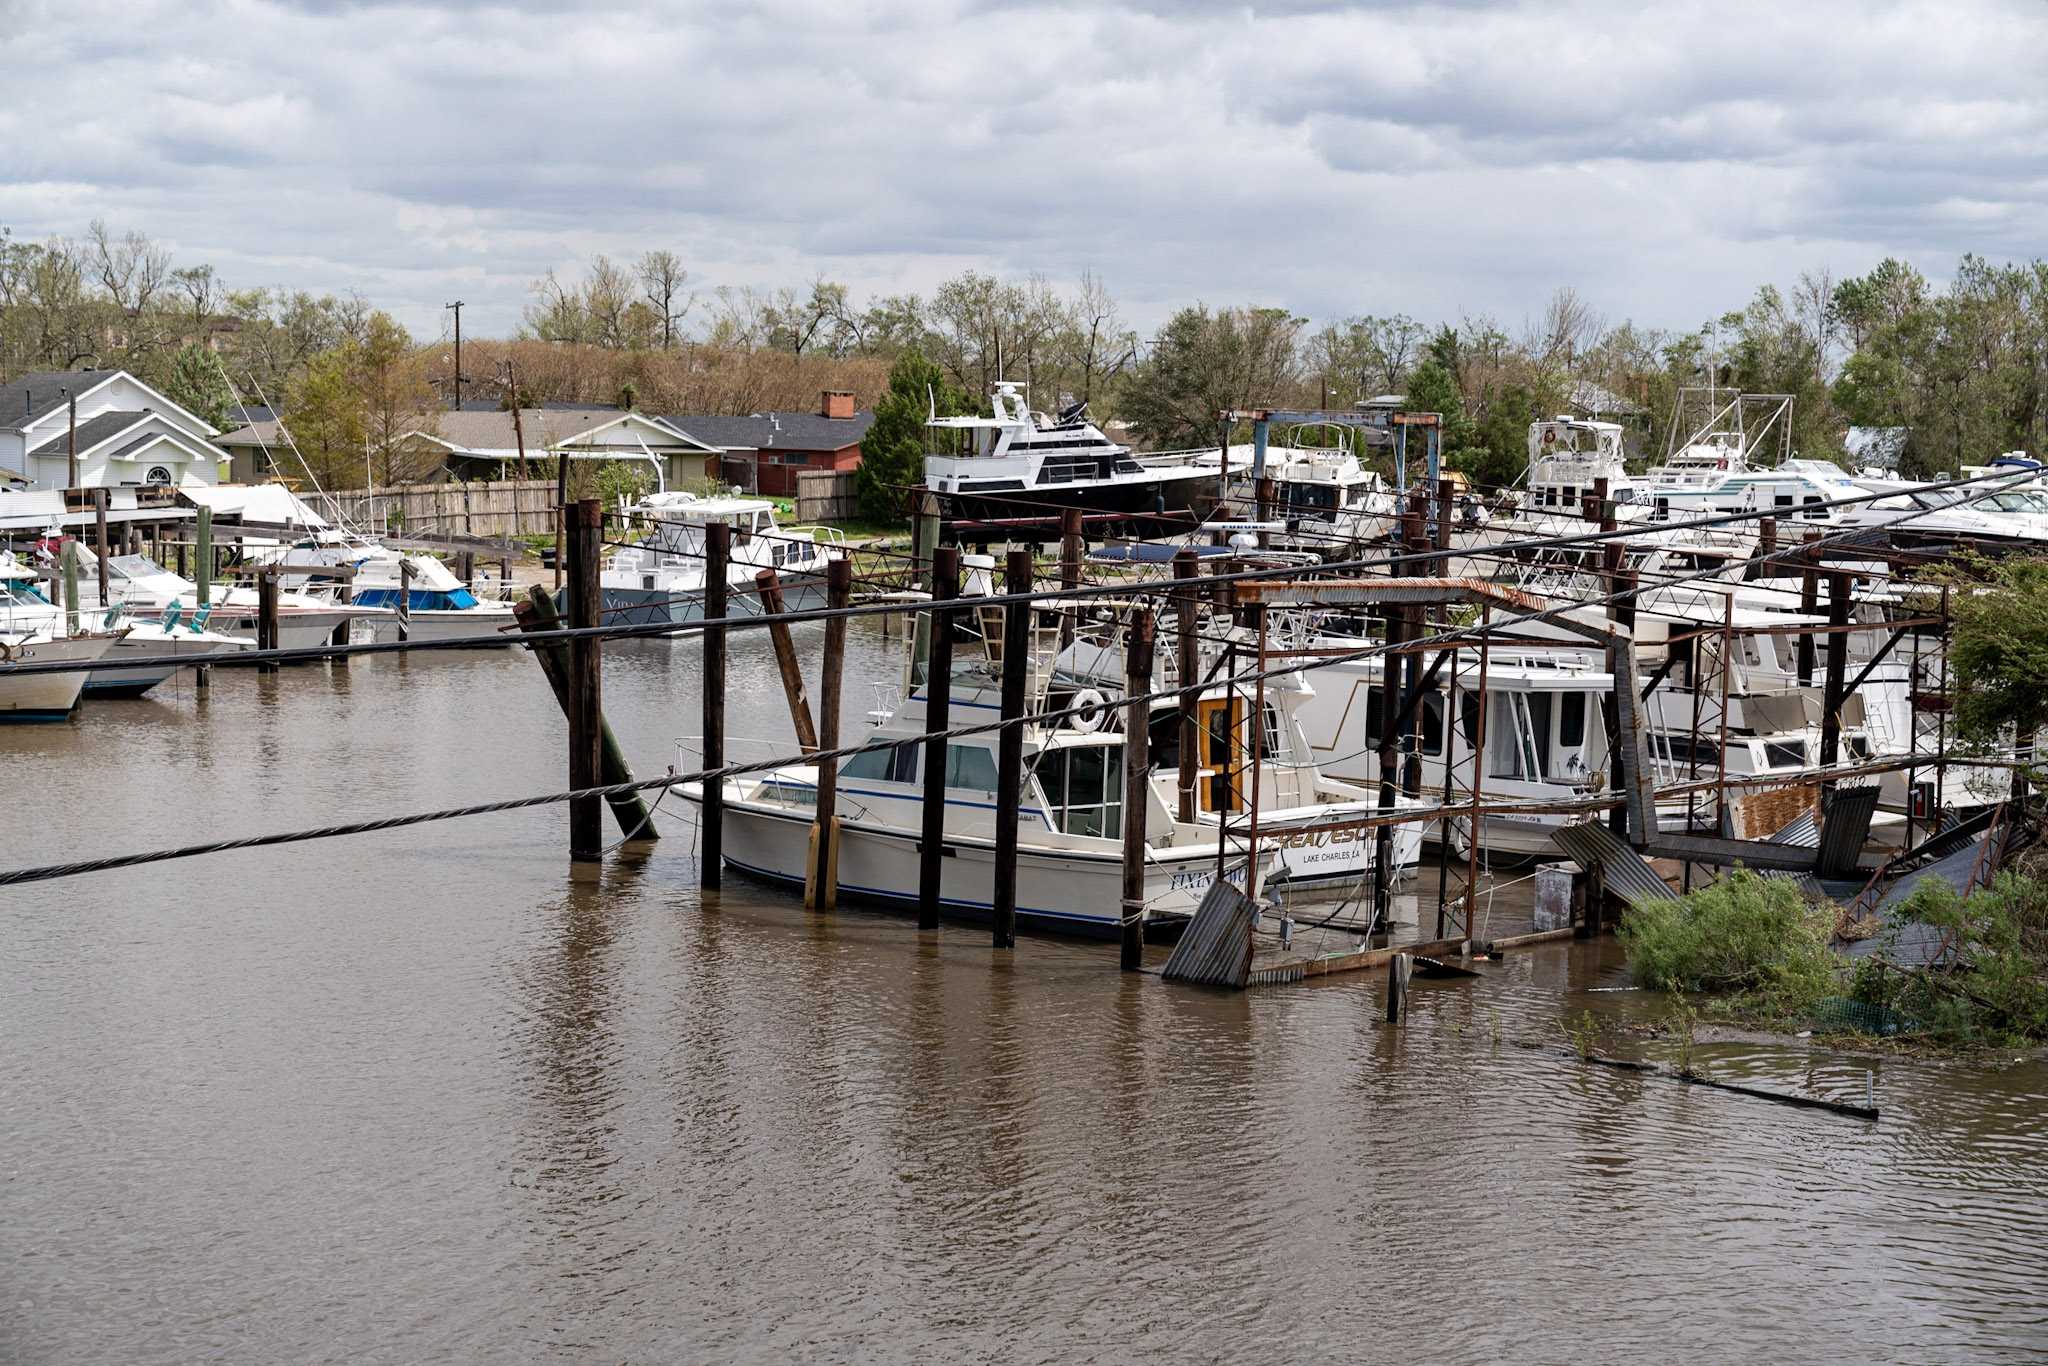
1332, 159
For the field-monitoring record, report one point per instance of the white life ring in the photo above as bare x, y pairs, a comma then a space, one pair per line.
1095, 710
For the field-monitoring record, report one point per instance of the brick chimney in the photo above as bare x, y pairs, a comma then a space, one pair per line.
836, 403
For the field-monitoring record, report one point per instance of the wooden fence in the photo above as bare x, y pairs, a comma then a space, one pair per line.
509, 507
825, 496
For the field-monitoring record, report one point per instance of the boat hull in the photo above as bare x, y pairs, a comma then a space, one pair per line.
482, 630
135, 682
1058, 892
52, 696
1135, 497
656, 606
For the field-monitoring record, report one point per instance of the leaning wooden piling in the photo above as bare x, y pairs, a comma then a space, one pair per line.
404, 605
1400, 968
768, 586
584, 522
821, 880
538, 613
1137, 784
1010, 749
938, 718
711, 819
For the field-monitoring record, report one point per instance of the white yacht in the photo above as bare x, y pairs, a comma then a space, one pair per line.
1012, 462
1069, 836
1324, 494
662, 578
1545, 737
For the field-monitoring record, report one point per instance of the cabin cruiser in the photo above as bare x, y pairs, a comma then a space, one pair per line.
1545, 738
24, 611
1012, 462
662, 578
1234, 770
1327, 498
1069, 875
1568, 456
50, 696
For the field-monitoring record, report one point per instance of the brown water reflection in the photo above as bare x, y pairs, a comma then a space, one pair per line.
422, 1097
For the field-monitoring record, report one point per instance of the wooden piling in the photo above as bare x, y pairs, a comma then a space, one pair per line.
821, 882
584, 522
1809, 603
101, 547
938, 717
1010, 749
1390, 773
266, 614
202, 582
1188, 663
1073, 544
71, 617
1138, 648
561, 511
404, 605
768, 587
925, 536
711, 812
537, 613
1835, 679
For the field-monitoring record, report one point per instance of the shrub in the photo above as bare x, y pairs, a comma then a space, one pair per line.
1744, 935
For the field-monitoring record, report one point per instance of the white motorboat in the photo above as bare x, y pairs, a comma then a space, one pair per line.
24, 611
662, 578
145, 588
1012, 462
44, 696
1545, 740
1325, 495
1302, 813
1070, 811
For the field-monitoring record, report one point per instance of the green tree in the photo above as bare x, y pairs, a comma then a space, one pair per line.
196, 384
1202, 363
328, 418
892, 452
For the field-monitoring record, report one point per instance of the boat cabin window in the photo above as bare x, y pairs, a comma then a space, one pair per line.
878, 761
1783, 500
1271, 742
1571, 720
1083, 786
1813, 510
970, 766
1429, 720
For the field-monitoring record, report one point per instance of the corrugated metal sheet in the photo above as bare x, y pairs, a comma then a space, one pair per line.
1846, 830
1216, 948
1623, 870
1802, 833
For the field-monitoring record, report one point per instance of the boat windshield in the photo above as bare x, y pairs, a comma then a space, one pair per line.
133, 566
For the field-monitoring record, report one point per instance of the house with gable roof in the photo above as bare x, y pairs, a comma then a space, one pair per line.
124, 434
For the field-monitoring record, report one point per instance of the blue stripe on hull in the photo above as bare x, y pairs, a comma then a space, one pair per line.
32, 715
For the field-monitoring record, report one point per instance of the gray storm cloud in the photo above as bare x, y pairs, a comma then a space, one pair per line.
1331, 159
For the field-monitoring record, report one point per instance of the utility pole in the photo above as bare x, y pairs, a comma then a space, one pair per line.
457, 306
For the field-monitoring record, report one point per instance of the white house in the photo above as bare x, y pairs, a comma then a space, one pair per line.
128, 434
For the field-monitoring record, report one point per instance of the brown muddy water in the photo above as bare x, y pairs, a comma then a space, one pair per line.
419, 1097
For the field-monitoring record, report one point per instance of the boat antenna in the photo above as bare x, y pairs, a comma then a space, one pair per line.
333, 504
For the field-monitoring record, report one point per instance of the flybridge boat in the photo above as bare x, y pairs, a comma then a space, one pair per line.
662, 578
1326, 497
1013, 462
1567, 457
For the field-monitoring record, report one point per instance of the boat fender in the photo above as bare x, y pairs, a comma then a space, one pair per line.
1091, 718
